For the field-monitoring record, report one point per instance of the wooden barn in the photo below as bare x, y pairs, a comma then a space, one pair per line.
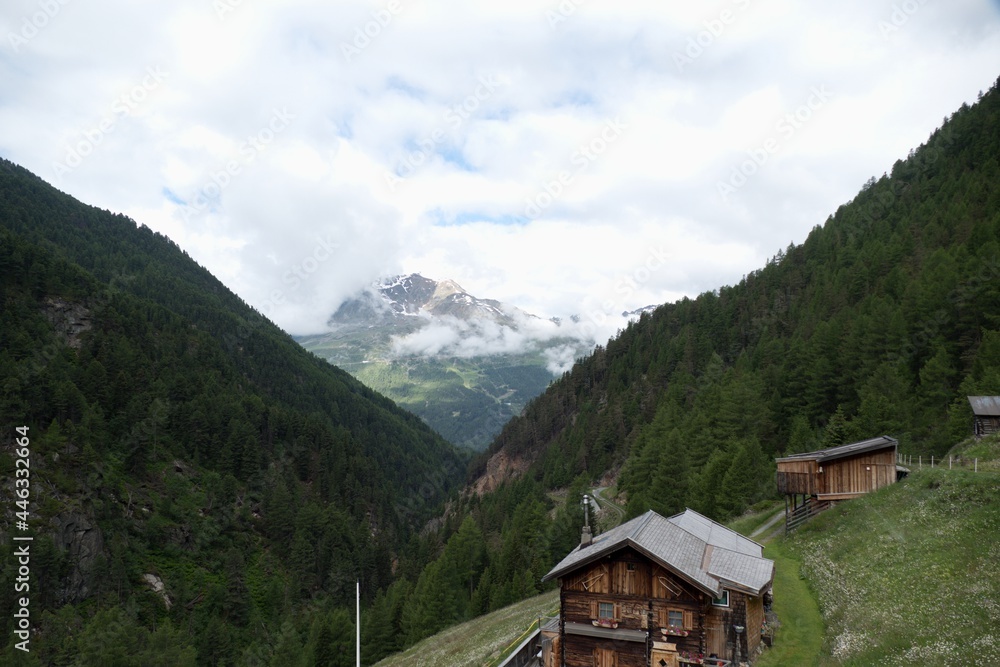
660, 592
812, 480
986, 411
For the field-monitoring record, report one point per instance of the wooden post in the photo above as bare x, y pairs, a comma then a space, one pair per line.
977, 466
357, 623
949, 463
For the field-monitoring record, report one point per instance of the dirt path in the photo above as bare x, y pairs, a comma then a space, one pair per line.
761, 530
605, 503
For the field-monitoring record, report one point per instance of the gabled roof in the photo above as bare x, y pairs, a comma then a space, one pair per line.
839, 452
699, 550
985, 406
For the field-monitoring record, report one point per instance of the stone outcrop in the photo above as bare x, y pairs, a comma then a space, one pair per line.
79, 538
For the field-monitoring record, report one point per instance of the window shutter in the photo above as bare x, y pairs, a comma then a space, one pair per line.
593, 608
618, 612
688, 620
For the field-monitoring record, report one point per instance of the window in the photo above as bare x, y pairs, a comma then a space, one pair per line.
630, 567
722, 601
606, 610
675, 619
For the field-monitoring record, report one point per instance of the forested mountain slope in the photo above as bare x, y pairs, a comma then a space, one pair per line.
881, 322
177, 433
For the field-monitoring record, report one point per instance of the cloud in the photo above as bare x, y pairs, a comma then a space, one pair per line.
559, 343
482, 110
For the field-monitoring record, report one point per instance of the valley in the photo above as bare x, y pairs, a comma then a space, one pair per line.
465, 365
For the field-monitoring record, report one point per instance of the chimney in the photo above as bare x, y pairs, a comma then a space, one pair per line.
586, 537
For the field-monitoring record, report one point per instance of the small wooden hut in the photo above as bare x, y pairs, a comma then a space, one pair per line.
811, 481
986, 411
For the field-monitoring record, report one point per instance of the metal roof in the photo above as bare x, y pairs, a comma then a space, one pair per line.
716, 534
985, 406
822, 455
620, 634
701, 551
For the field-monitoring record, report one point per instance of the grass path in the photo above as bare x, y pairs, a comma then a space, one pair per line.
799, 640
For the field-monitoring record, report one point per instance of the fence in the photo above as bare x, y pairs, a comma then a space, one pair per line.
523, 649
795, 517
951, 462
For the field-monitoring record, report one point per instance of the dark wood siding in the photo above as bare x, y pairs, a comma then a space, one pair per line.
848, 476
755, 621
987, 425
858, 474
588, 651
642, 594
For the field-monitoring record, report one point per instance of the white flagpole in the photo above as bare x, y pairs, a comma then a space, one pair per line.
357, 623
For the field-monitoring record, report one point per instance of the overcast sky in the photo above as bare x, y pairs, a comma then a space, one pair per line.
575, 157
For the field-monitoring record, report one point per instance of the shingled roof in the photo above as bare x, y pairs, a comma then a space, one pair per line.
699, 550
985, 406
831, 453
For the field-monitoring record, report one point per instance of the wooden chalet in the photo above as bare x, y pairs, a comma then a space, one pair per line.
986, 411
811, 481
659, 592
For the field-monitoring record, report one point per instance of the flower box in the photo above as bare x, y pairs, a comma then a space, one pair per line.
675, 631
604, 623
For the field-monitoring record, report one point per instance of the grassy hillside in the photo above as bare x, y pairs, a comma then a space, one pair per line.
477, 641
466, 400
908, 575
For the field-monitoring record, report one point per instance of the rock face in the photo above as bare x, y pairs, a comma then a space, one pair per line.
156, 584
70, 320
499, 469
78, 536
388, 302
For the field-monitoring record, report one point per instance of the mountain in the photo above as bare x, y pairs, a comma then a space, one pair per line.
202, 490
465, 365
881, 322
